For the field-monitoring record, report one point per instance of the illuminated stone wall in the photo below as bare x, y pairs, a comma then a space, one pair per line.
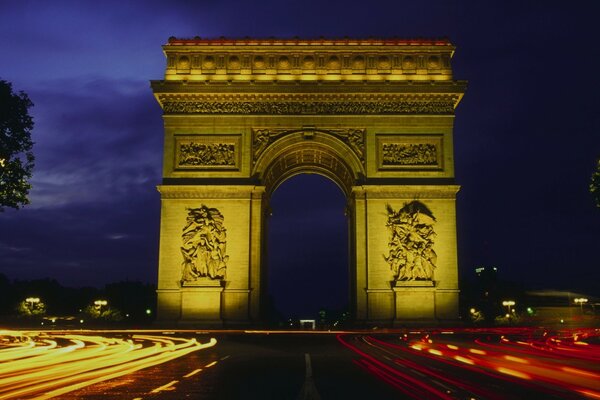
224, 298
241, 117
412, 301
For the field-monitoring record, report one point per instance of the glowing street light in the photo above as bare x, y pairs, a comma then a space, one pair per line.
581, 301
508, 304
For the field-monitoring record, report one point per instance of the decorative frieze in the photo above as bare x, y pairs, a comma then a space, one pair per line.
409, 154
263, 137
441, 106
211, 154
409, 151
197, 152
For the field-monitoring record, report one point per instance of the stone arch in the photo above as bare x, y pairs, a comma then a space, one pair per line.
315, 152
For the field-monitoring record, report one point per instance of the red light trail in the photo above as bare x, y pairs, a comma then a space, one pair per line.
469, 363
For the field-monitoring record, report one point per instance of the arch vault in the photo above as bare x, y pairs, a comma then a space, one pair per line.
242, 116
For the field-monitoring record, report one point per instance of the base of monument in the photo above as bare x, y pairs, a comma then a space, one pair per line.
415, 301
201, 305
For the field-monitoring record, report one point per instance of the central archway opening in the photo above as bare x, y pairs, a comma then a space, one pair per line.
307, 250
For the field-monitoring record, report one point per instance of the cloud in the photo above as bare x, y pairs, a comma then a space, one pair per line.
117, 236
9, 250
97, 142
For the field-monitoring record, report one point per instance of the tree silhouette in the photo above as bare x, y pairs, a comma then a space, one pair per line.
595, 185
16, 157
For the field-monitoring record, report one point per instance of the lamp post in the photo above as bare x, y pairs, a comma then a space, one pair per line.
508, 304
99, 304
581, 301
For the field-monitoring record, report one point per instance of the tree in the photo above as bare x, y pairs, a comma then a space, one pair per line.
16, 157
31, 307
595, 185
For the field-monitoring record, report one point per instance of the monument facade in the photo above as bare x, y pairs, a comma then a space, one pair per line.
373, 115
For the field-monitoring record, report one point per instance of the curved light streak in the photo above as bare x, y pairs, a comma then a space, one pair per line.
555, 364
48, 364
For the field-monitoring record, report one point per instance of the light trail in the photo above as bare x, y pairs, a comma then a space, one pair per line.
553, 366
194, 372
48, 364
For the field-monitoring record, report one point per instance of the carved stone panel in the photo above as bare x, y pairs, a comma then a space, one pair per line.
441, 106
204, 240
199, 152
397, 152
411, 255
263, 137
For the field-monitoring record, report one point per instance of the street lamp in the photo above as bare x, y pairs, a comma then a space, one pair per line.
99, 304
32, 301
508, 304
581, 301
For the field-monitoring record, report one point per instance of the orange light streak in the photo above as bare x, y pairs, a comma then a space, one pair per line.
41, 368
590, 393
476, 351
164, 387
516, 359
581, 372
464, 360
194, 372
512, 372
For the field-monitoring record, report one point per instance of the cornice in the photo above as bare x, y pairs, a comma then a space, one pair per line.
304, 86
223, 41
209, 191
409, 192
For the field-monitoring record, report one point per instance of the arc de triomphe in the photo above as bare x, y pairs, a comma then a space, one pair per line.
242, 116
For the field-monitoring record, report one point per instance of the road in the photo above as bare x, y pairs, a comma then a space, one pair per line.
440, 364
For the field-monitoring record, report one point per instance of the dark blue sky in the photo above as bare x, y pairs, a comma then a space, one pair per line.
526, 138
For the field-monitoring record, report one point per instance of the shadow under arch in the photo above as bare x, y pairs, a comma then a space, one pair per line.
319, 153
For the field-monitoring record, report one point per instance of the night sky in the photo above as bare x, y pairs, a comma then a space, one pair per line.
527, 135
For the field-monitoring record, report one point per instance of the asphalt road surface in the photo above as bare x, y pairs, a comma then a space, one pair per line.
440, 364
251, 366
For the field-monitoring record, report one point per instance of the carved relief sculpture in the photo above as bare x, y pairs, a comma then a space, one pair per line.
411, 255
445, 106
355, 138
213, 154
262, 138
204, 241
409, 154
